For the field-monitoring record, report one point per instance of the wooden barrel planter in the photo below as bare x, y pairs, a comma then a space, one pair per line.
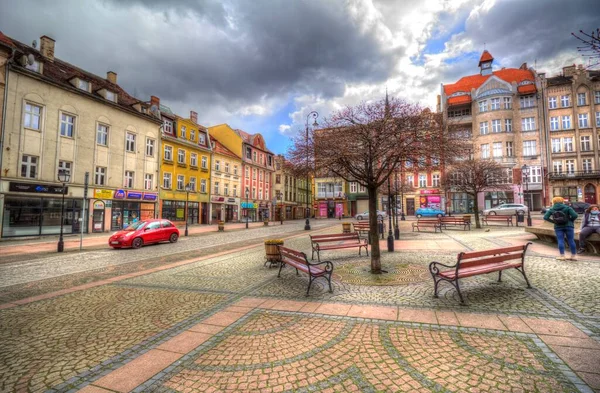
272, 256
266, 223
221, 226
346, 227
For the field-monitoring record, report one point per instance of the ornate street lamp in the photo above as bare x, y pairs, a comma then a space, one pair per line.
64, 177
314, 114
525, 170
390, 239
247, 210
187, 206
280, 195
396, 228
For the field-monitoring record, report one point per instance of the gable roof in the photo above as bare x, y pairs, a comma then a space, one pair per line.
221, 149
251, 139
485, 56
510, 75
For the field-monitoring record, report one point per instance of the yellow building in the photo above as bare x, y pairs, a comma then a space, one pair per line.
184, 168
226, 181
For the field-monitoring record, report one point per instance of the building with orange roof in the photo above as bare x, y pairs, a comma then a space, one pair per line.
226, 183
501, 111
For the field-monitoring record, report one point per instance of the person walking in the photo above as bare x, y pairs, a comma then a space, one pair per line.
590, 224
563, 217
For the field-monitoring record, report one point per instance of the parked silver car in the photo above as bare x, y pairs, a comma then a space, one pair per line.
365, 215
506, 209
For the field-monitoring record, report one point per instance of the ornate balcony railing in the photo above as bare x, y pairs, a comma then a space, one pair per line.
574, 174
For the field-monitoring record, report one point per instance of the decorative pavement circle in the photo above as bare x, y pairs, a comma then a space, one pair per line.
397, 273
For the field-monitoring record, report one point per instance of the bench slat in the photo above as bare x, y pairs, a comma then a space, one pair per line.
476, 270
477, 254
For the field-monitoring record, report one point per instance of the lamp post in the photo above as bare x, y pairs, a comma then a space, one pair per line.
525, 170
314, 114
397, 228
187, 207
280, 206
64, 177
247, 210
390, 239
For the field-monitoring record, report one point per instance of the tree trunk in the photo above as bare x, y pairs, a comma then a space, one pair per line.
373, 233
476, 208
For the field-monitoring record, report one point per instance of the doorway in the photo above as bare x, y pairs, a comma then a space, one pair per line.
590, 194
410, 206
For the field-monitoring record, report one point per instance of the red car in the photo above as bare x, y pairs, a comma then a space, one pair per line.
144, 232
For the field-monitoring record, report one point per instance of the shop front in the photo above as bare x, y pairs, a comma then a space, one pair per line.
249, 211
330, 209
495, 198
431, 199
35, 209
117, 209
224, 209
461, 202
263, 211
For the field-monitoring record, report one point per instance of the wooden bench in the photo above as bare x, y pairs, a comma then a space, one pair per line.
298, 260
361, 227
337, 241
479, 262
427, 223
493, 218
455, 221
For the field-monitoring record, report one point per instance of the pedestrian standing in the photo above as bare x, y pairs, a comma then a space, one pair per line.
563, 217
590, 224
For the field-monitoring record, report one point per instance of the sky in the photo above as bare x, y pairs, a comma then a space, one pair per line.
264, 65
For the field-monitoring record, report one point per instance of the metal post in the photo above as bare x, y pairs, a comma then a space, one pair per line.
315, 115
281, 208
397, 227
390, 239
187, 207
525, 169
61, 244
84, 214
247, 210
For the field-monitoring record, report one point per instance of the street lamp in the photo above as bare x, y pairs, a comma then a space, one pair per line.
247, 210
187, 206
525, 170
64, 177
390, 239
280, 195
314, 114
397, 228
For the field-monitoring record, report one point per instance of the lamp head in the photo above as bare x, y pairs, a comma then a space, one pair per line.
315, 124
64, 176
188, 188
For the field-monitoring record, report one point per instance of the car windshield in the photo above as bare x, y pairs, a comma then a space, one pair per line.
135, 226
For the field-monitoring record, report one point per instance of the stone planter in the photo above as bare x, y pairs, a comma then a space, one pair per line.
346, 227
221, 226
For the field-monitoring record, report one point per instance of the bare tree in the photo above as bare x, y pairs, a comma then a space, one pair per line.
367, 143
474, 176
590, 47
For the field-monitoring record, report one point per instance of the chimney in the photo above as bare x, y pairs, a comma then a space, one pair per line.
112, 77
47, 47
194, 116
569, 70
155, 101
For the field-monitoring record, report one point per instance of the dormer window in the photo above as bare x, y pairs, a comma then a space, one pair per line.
201, 138
183, 132
192, 135
83, 85
168, 127
35, 66
109, 95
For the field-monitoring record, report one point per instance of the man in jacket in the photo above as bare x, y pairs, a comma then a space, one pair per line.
590, 224
562, 229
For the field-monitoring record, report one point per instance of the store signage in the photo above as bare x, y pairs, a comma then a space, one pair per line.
249, 205
231, 200
427, 192
36, 188
134, 195
103, 194
119, 194
149, 196
217, 199
99, 205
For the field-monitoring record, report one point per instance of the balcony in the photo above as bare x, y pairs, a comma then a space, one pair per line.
574, 175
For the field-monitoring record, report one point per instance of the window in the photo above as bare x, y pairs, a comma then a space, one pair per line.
204, 162
435, 180
226, 167
192, 184
552, 103
508, 125
528, 124
495, 104
194, 159
565, 101
260, 175
226, 189
83, 85
217, 165
150, 147
29, 166
100, 176
554, 123
507, 103
587, 165
586, 143
353, 187
167, 180
65, 166
509, 149
248, 153
410, 180
270, 161
422, 181
459, 112
597, 119
235, 190
255, 157
581, 99
67, 125
33, 67
148, 181
111, 96
180, 182
556, 145
597, 97
566, 122
557, 166
201, 138
183, 132
247, 173
168, 127
527, 101
253, 193
568, 144
130, 142
570, 167
168, 153
235, 170
497, 149
529, 149
33, 116
535, 174
102, 135
483, 106
203, 186
260, 194
485, 151
278, 179
217, 188
496, 127
192, 135
483, 127
583, 120
180, 156
129, 179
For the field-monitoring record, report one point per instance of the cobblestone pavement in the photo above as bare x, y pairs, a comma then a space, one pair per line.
207, 315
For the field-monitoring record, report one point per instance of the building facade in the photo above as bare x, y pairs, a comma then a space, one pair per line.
290, 192
502, 113
330, 197
61, 119
226, 178
572, 108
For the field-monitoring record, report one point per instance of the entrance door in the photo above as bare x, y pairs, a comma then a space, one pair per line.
98, 220
410, 206
590, 194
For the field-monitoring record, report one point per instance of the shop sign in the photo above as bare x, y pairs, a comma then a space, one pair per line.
217, 199
427, 192
134, 195
103, 194
149, 196
119, 194
231, 200
108, 203
249, 205
36, 188
99, 205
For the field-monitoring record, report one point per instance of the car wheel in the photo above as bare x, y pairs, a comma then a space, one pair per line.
137, 242
520, 211
419, 215
491, 213
359, 218
439, 215
173, 238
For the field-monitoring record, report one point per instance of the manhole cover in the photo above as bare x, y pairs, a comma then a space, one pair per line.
397, 274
